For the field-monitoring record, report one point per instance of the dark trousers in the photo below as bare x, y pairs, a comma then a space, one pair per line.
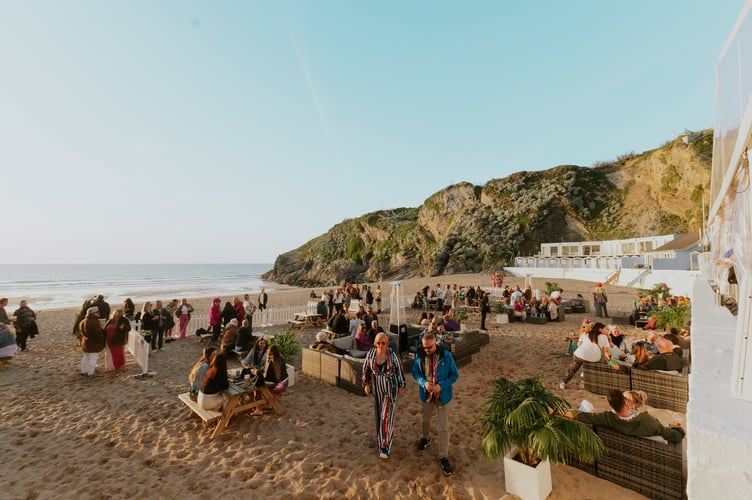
216, 330
21, 336
249, 319
157, 336
483, 319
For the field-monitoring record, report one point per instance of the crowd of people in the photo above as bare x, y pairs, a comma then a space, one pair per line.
100, 328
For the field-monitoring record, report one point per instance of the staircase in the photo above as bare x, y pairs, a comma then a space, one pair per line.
640, 278
614, 278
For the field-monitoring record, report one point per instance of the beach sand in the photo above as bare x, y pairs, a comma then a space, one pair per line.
116, 436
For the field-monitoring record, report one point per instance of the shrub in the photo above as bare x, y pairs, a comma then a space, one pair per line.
287, 343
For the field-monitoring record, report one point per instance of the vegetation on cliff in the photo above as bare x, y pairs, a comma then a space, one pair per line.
467, 228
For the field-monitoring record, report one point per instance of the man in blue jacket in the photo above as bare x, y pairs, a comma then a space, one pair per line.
435, 371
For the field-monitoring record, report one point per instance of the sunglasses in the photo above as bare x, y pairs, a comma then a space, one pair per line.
380, 343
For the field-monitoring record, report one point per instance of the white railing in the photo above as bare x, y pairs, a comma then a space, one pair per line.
138, 347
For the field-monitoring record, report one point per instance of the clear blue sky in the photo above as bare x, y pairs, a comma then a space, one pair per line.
180, 131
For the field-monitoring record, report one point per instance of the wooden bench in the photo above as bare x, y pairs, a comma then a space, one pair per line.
208, 416
205, 338
296, 323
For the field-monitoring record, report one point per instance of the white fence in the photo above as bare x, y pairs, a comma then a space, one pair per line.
261, 319
139, 347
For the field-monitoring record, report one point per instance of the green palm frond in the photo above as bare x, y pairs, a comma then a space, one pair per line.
516, 416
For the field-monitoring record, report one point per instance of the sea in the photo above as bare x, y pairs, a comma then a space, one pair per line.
53, 286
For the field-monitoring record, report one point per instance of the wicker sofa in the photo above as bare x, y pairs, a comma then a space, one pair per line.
664, 390
648, 466
465, 345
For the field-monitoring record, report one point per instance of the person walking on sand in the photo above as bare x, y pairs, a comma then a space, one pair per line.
382, 377
92, 341
116, 333
263, 298
435, 371
600, 300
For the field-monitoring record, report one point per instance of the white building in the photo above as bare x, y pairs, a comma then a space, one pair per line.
719, 439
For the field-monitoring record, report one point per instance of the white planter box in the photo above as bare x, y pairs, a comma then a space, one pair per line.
502, 318
528, 483
290, 375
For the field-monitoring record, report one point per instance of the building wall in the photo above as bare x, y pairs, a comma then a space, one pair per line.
719, 438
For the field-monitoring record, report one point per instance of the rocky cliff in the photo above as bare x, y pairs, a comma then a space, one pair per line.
467, 228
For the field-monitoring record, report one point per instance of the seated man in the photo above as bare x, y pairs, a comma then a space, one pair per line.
339, 323
669, 357
622, 419
443, 336
245, 337
322, 344
374, 330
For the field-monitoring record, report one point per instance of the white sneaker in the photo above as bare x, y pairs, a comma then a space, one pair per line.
562, 386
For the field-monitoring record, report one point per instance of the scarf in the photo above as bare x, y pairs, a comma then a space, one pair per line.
430, 369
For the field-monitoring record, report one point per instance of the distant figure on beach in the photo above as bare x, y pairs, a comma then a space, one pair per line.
485, 308
25, 322
148, 324
116, 335
129, 309
600, 300
161, 320
377, 297
215, 318
183, 313
263, 298
250, 309
435, 371
383, 377
81, 314
228, 313
92, 341
103, 306
198, 372
169, 318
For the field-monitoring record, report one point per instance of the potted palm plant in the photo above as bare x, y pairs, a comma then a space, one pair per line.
523, 423
502, 314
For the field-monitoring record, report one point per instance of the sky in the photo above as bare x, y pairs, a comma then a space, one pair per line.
234, 131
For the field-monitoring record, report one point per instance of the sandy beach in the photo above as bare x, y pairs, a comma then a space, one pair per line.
116, 436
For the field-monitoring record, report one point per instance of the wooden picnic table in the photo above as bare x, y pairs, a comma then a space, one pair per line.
306, 320
242, 400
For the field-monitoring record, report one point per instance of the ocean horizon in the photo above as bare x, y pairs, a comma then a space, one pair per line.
54, 286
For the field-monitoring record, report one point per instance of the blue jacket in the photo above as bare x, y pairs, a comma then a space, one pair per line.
446, 373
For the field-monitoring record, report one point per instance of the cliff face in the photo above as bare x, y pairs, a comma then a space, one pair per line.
467, 228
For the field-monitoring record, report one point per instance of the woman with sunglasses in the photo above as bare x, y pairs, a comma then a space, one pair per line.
383, 377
